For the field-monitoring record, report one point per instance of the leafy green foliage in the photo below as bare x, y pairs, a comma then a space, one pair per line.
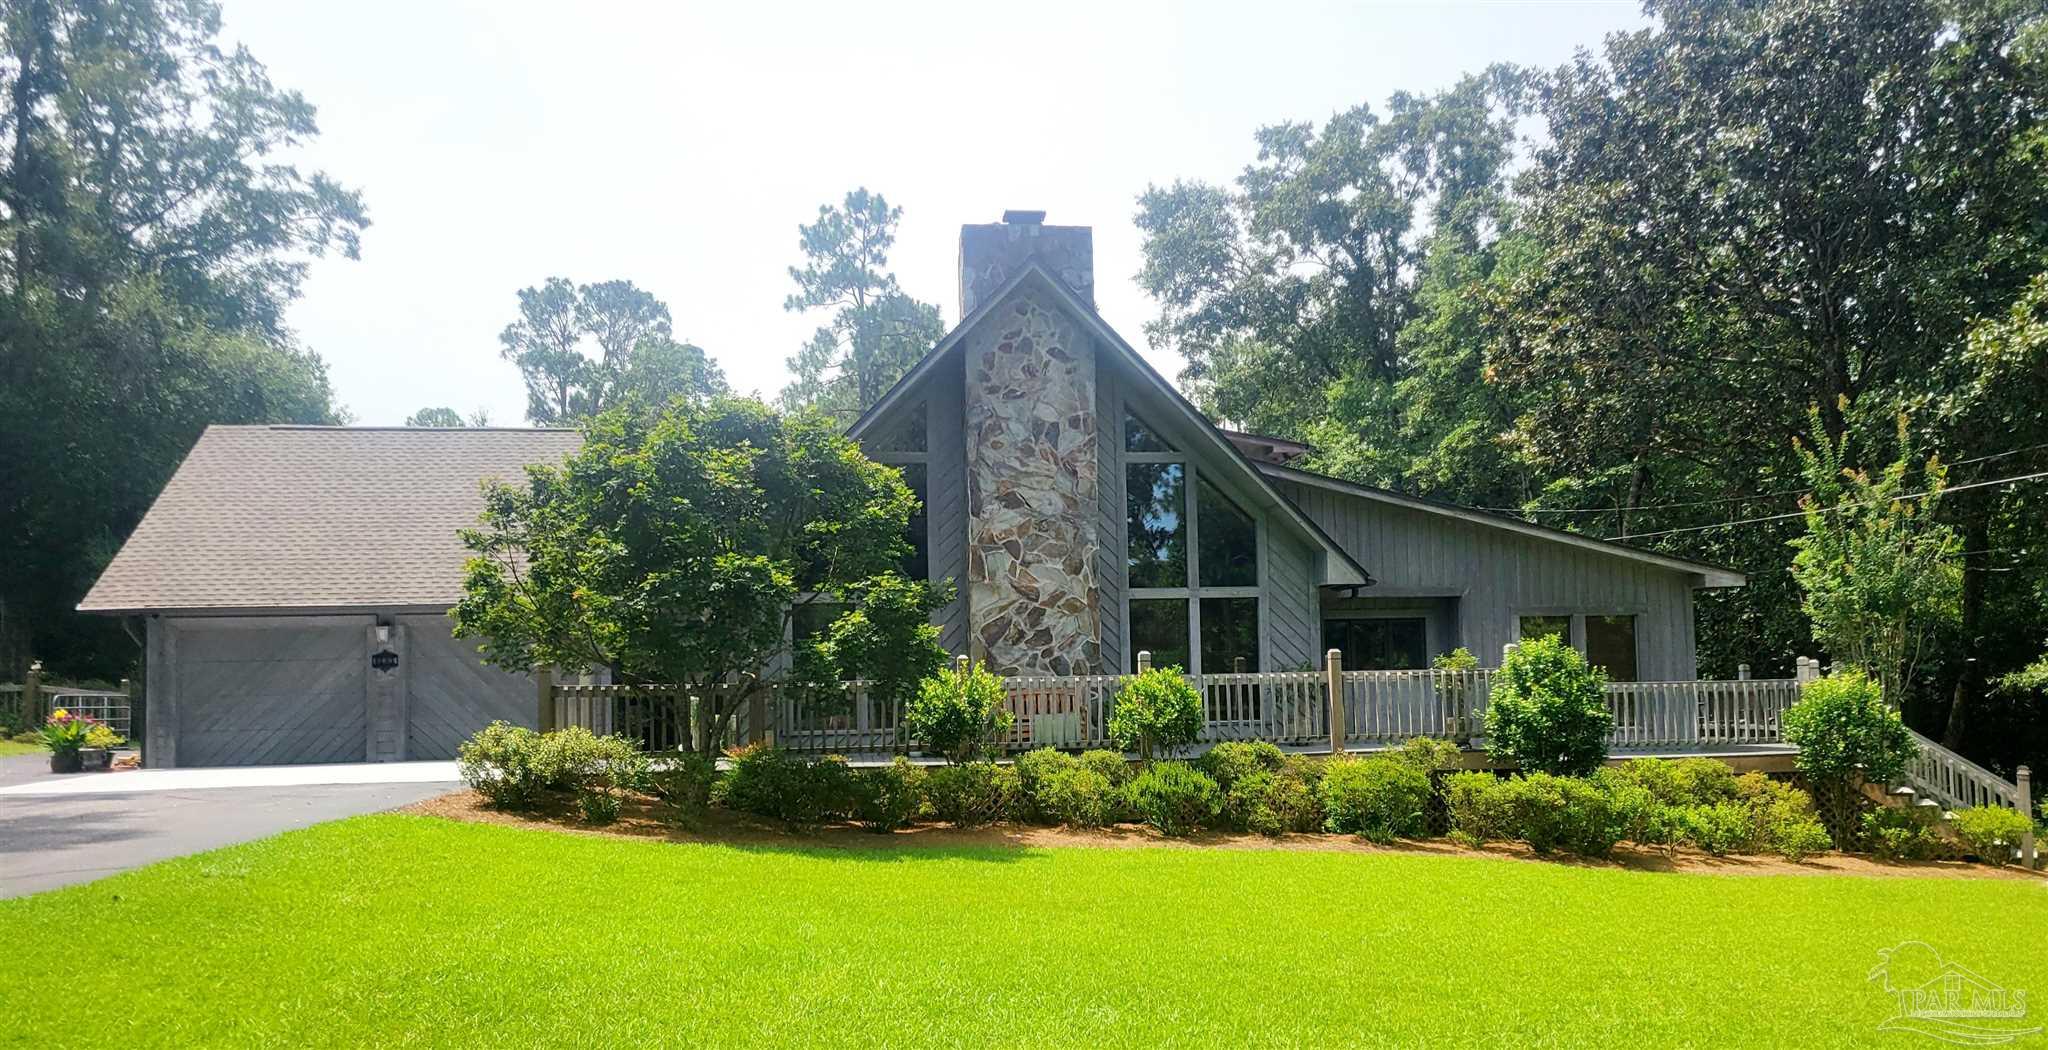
1232, 760
1174, 797
583, 349
1844, 730
498, 762
157, 228
1156, 711
673, 547
1548, 711
1903, 833
1380, 798
1554, 812
1991, 833
876, 332
1879, 572
885, 637
959, 714
684, 781
770, 782
970, 794
888, 797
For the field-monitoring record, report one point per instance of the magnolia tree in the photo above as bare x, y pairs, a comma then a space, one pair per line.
675, 549
1879, 573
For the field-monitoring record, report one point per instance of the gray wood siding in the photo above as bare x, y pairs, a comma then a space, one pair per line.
945, 391
1287, 607
451, 693
1499, 575
257, 693
1111, 565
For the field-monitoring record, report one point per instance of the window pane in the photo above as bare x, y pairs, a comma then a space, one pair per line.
1611, 643
1140, 438
1390, 644
1230, 632
1160, 626
1230, 540
811, 620
1539, 626
904, 434
1156, 498
918, 565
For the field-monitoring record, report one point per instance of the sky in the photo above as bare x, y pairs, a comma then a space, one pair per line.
679, 145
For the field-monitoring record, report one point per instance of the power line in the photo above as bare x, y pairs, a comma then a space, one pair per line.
1828, 510
1729, 499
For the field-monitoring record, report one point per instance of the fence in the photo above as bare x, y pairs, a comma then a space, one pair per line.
32, 700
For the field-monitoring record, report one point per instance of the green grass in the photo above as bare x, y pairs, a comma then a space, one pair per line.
12, 747
400, 930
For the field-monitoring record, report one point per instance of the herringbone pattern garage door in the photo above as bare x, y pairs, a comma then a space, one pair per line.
271, 695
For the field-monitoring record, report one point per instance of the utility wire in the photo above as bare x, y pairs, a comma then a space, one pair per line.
1829, 510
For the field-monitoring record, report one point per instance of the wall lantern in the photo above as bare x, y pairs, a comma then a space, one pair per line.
384, 660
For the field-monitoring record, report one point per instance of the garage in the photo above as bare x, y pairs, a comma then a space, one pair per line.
292, 587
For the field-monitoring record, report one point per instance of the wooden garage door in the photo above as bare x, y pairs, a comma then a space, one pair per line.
271, 695
452, 693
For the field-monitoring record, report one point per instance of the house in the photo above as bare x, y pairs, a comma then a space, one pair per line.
294, 581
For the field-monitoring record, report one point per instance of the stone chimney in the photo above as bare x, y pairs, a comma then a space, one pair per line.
993, 253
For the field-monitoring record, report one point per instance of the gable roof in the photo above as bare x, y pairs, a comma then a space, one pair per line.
1710, 575
1340, 568
296, 517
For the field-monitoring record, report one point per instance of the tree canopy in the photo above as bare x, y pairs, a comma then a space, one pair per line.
876, 332
153, 229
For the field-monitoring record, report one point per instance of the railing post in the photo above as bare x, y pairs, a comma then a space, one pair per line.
31, 694
1805, 669
1742, 672
2025, 777
757, 717
961, 664
1144, 660
544, 688
1333, 677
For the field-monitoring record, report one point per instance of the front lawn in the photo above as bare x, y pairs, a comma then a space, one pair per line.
414, 930
16, 747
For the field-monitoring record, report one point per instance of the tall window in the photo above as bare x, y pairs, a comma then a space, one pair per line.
902, 445
1193, 578
1611, 643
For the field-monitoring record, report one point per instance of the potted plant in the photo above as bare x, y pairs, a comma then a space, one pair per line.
97, 756
64, 734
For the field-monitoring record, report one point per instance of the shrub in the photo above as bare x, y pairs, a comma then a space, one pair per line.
1227, 762
1157, 710
561, 756
1845, 730
1646, 819
1552, 812
1033, 767
1797, 840
1379, 798
769, 782
1481, 807
1274, 803
888, 797
99, 736
1113, 766
1991, 833
1719, 828
684, 781
1429, 754
959, 715
1077, 796
1548, 712
972, 793
599, 806
498, 761
1174, 797
1903, 833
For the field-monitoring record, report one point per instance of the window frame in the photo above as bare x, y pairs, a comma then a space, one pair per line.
899, 459
1430, 641
1192, 475
1575, 626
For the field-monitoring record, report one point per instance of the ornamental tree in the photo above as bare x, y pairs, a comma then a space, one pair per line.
675, 548
1548, 712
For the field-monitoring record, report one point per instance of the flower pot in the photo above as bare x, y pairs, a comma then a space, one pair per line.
66, 761
95, 759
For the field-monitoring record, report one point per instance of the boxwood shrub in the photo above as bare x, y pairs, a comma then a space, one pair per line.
1380, 798
1174, 797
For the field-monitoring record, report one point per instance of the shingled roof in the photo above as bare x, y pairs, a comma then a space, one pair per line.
292, 517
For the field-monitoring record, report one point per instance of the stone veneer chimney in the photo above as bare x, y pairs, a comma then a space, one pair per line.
1032, 485
991, 254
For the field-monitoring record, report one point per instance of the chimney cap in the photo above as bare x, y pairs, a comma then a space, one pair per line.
1015, 217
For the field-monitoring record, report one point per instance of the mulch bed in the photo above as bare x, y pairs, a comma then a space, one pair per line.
640, 818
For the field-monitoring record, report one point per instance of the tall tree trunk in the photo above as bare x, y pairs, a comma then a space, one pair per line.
1969, 677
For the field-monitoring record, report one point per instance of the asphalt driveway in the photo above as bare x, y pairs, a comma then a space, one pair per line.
53, 840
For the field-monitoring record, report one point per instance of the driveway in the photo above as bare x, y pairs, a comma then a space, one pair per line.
55, 831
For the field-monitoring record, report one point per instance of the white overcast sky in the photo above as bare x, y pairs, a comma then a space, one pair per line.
678, 145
